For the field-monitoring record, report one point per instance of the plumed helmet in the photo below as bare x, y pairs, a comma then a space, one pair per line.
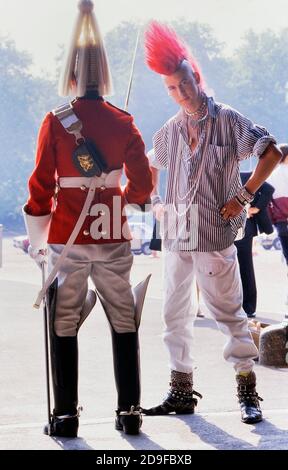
86, 65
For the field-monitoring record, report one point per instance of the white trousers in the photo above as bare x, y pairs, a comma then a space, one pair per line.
109, 267
217, 274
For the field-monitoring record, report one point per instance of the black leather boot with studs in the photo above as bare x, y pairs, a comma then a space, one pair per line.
248, 398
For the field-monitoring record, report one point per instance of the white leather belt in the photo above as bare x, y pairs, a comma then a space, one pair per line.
107, 180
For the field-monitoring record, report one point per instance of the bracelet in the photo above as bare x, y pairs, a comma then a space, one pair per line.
244, 196
249, 192
242, 203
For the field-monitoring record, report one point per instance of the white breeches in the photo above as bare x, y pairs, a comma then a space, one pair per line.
109, 267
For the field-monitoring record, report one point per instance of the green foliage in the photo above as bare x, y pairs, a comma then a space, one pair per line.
23, 102
259, 80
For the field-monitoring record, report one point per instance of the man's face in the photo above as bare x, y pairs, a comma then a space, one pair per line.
183, 86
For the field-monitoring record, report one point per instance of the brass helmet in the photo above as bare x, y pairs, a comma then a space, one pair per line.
86, 65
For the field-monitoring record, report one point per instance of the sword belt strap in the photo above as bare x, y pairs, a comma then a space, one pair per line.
71, 123
70, 242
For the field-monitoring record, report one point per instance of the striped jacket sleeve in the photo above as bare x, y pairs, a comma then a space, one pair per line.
160, 144
251, 139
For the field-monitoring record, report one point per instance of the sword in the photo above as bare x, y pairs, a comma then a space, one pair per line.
46, 346
132, 72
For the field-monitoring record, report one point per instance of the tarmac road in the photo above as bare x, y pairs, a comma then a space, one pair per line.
216, 424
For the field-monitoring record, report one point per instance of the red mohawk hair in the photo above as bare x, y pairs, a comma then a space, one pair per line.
164, 50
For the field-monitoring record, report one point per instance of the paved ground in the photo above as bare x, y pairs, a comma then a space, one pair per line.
216, 424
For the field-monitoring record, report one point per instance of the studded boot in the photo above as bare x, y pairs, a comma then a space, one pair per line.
248, 398
180, 399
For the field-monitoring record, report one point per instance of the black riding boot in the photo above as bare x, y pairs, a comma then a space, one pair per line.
64, 363
179, 399
248, 398
64, 368
127, 378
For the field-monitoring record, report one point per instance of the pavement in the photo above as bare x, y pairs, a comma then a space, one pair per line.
216, 424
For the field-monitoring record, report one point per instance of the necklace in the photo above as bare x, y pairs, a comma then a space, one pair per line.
195, 122
193, 132
199, 111
189, 195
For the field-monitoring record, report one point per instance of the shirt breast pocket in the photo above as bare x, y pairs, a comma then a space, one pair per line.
219, 155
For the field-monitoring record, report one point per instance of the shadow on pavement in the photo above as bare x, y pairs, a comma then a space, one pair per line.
269, 434
72, 443
213, 435
141, 442
221, 440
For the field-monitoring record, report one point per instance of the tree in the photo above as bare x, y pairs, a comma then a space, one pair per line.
253, 80
23, 102
259, 80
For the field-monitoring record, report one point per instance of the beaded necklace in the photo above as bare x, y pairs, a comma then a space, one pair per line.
194, 187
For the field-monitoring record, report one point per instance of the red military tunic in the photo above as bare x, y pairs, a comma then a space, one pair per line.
118, 141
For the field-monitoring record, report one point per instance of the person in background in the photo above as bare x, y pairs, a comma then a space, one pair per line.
278, 207
258, 221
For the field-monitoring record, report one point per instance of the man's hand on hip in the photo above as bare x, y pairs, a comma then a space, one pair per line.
231, 209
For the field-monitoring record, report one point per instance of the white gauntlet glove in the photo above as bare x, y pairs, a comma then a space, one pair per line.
37, 231
39, 255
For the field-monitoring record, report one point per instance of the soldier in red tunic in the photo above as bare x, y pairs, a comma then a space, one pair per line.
76, 206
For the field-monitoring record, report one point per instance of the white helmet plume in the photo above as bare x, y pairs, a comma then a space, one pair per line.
86, 66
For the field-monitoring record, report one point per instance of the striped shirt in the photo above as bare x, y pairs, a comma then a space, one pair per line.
200, 183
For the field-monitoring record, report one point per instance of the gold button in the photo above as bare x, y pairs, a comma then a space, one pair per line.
102, 213
86, 233
83, 187
102, 188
